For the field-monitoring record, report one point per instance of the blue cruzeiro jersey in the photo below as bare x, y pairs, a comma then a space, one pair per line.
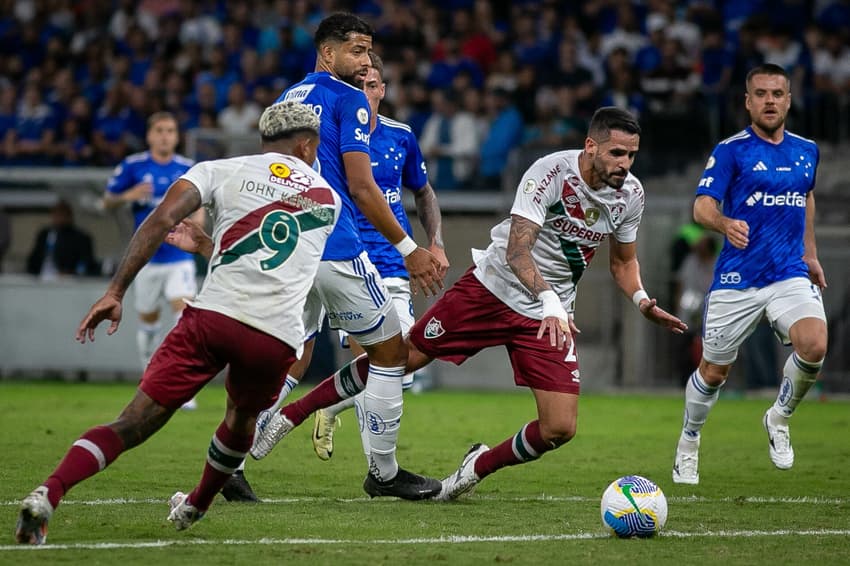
765, 185
396, 162
141, 167
344, 115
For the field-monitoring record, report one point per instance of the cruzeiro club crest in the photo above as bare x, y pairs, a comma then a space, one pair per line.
434, 329
591, 215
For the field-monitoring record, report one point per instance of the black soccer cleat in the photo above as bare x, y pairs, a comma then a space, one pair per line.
237, 489
405, 485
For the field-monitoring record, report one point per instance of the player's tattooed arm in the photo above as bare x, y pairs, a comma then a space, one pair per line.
179, 202
521, 239
428, 211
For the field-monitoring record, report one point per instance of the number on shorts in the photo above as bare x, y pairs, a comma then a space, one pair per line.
571, 352
279, 232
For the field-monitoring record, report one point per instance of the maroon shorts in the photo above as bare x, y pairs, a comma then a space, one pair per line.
469, 318
201, 345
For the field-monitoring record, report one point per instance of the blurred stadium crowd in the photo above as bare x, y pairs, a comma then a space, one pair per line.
474, 79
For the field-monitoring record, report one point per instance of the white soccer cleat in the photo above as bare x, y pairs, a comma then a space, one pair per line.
182, 514
324, 426
779, 443
464, 480
686, 465
36, 510
272, 432
190, 405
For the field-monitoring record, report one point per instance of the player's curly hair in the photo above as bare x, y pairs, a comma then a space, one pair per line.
610, 118
285, 119
337, 27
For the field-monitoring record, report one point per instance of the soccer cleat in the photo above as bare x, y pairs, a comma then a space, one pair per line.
686, 465
183, 514
464, 480
266, 438
32, 520
237, 489
779, 444
324, 426
405, 485
190, 405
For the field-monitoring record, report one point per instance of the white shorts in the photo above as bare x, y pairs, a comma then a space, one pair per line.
731, 315
170, 280
355, 299
402, 301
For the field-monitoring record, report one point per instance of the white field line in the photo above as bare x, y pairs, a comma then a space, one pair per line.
541, 498
414, 541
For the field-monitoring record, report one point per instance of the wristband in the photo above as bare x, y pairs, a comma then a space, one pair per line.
552, 305
406, 247
639, 295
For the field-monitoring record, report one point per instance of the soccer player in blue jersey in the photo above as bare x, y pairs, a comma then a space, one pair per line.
758, 191
397, 162
141, 180
348, 286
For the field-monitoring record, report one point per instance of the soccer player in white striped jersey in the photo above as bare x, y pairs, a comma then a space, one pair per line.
273, 217
758, 191
521, 288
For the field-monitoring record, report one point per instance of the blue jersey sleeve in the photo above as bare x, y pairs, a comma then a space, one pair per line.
122, 178
718, 174
352, 113
414, 175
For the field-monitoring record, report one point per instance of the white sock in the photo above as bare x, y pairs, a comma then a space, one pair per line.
364, 434
700, 397
382, 405
798, 377
288, 385
147, 338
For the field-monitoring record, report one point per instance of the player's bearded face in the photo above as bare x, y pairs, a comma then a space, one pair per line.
768, 101
614, 158
351, 59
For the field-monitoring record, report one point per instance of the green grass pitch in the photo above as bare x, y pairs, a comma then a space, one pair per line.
546, 512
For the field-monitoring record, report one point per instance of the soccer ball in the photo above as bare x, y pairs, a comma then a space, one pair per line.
634, 506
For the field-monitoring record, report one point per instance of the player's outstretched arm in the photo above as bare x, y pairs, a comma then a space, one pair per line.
181, 200
556, 323
428, 211
810, 248
422, 266
625, 269
707, 213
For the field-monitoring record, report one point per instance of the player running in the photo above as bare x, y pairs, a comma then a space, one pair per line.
522, 287
274, 215
764, 177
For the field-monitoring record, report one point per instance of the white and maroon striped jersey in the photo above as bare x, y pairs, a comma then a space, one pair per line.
272, 216
574, 221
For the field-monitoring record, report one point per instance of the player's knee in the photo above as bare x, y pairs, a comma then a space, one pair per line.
558, 433
812, 350
713, 374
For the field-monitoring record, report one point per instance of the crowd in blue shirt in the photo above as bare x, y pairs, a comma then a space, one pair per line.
78, 79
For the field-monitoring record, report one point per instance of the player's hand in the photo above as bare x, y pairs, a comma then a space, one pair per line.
440, 253
107, 307
560, 331
424, 271
190, 237
816, 274
650, 310
737, 232
140, 192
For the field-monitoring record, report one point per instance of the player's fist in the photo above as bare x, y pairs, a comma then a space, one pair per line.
737, 232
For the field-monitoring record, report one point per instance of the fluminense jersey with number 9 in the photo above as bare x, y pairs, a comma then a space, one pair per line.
574, 221
272, 217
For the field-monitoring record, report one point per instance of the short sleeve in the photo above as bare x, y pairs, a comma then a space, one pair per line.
352, 112
538, 189
121, 179
202, 176
718, 173
414, 174
626, 232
